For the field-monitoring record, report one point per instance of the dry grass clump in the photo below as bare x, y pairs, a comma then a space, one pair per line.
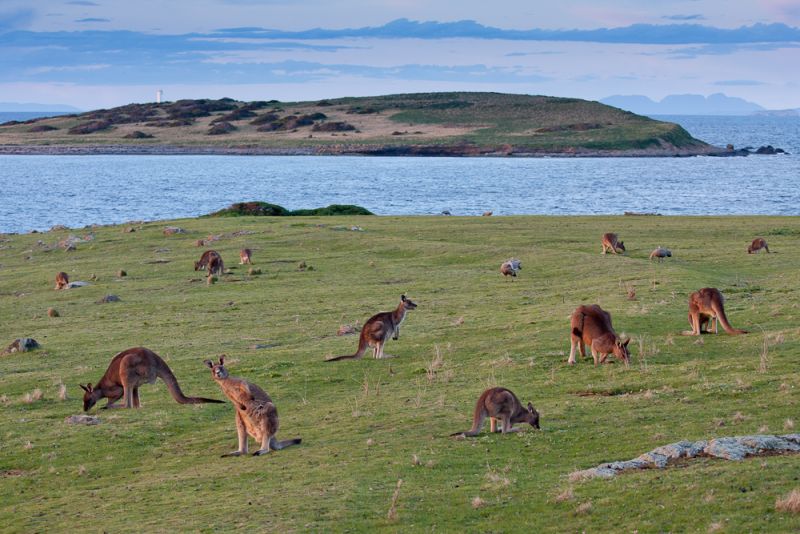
566, 495
584, 508
477, 502
788, 424
790, 503
33, 396
392, 513
62, 392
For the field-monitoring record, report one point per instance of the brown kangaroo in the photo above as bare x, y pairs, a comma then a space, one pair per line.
591, 325
378, 329
661, 253
127, 371
255, 413
500, 403
611, 242
62, 280
707, 305
511, 268
204, 260
757, 245
215, 265
245, 256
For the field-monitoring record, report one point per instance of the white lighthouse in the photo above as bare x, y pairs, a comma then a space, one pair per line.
159, 94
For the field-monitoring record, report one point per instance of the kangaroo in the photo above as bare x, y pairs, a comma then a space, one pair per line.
255, 412
511, 268
500, 403
127, 371
245, 256
62, 280
202, 263
377, 330
757, 245
215, 265
592, 325
611, 242
661, 253
707, 305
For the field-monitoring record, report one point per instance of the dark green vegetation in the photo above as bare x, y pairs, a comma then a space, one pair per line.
404, 124
240, 209
366, 424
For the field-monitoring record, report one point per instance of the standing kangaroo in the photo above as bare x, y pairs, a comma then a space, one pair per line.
707, 305
660, 253
511, 268
592, 325
757, 245
127, 371
611, 242
215, 265
245, 256
255, 413
378, 329
204, 260
62, 280
500, 403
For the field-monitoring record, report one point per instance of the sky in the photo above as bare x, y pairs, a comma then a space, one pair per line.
103, 53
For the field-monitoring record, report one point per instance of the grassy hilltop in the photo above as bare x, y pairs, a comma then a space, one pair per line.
404, 124
368, 423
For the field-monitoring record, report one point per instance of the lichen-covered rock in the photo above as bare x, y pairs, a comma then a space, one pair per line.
82, 420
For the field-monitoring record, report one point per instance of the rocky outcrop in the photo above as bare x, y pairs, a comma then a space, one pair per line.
728, 448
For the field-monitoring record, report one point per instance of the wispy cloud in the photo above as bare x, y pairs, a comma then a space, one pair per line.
82, 3
739, 83
684, 17
15, 19
67, 68
92, 19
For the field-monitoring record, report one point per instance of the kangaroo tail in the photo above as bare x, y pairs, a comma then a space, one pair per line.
723, 320
362, 348
165, 374
578, 329
276, 445
477, 421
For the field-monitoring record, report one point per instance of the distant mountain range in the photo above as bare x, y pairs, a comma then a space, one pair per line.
19, 106
716, 104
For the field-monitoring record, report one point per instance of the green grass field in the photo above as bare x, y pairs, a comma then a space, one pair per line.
366, 424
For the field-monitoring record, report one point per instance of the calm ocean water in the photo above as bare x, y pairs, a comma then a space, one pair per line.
41, 191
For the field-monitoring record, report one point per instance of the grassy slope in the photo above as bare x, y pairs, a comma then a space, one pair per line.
158, 468
484, 119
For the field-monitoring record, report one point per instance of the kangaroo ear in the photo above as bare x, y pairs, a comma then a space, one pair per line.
89, 387
221, 359
402, 298
208, 363
83, 387
626, 342
531, 408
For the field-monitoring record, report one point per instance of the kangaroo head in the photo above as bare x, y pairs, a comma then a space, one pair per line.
407, 303
90, 396
197, 266
532, 416
218, 371
621, 350
621, 245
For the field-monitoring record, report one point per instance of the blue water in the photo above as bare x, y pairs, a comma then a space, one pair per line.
41, 191
6, 116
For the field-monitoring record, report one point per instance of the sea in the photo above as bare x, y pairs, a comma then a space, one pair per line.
39, 192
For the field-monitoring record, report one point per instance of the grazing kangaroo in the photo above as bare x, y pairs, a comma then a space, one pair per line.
500, 403
591, 325
707, 305
378, 329
611, 242
204, 260
62, 280
255, 412
661, 253
757, 245
127, 371
511, 268
245, 256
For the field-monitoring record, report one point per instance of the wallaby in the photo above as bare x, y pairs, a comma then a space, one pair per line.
127, 371
245, 256
592, 325
62, 280
511, 268
255, 412
378, 329
500, 403
202, 263
661, 253
611, 242
215, 265
757, 245
705, 305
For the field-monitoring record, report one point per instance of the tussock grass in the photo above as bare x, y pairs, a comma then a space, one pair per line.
362, 421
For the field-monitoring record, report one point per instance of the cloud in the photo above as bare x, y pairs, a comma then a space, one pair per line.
683, 17
15, 19
739, 83
92, 19
82, 3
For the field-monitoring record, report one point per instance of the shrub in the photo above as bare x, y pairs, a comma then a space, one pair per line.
333, 127
221, 128
90, 127
240, 209
136, 134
